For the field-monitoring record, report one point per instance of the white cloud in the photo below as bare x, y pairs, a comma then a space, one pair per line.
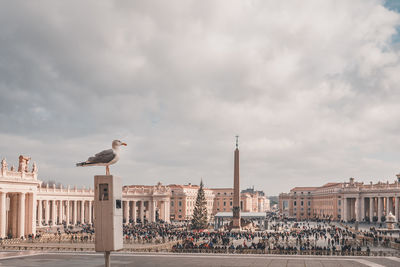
310, 86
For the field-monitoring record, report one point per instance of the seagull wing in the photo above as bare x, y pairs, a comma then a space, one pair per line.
102, 157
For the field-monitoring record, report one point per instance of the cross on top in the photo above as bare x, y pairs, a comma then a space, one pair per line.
237, 141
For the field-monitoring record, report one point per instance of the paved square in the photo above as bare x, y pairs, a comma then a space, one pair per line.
193, 260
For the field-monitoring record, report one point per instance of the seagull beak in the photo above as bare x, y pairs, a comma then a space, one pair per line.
123, 144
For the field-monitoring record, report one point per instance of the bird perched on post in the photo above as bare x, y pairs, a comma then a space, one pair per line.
104, 158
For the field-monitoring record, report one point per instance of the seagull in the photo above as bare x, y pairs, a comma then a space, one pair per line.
104, 158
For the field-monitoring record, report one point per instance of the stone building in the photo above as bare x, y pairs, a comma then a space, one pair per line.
348, 201
26, 203
183, 200
249, 201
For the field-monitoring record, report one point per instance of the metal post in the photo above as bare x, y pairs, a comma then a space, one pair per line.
107, 258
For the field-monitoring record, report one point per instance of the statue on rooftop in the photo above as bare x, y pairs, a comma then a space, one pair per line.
3, 164
23, 163
34, 168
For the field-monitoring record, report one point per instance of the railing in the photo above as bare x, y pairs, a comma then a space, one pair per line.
19, 175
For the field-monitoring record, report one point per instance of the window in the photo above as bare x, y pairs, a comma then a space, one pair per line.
295, 203
302, 203
180, 216
180, 203
231, 203
224, 203
309, 203
172, 203
339, 202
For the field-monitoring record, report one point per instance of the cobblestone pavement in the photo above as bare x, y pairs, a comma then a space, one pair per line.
151, 259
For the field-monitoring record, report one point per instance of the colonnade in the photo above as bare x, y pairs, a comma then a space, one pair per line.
16, 214
57, 212
359, 208
150, 210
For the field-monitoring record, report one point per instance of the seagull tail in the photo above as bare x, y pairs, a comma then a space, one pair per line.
80, 164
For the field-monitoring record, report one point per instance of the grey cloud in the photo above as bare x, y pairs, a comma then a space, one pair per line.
311, 88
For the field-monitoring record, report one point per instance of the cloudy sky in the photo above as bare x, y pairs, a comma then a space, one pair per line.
312, 88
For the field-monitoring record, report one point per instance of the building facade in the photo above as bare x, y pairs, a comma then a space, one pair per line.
249, 201
183, 200
347, 201
26, 203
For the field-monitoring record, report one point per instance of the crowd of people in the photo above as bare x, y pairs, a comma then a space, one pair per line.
283, 237
286, 238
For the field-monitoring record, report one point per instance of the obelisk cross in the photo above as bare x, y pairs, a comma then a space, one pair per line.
237, 141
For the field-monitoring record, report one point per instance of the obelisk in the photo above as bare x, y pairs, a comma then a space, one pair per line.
236, 190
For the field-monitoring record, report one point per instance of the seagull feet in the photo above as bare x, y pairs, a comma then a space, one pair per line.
107, 170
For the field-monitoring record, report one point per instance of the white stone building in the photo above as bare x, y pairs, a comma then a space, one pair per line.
25, 204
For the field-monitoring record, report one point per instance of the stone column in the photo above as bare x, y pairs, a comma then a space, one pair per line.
396, 208
142, 211
126, 211
46, 212
341, 209
53, 212
90, 212
357, 209
67, 212
345, 207
134, 212
161, 212
379, 209
362, 215
60, 212
167, 208
3, 214
40, 212
153, 210
33, 213
74, 212
387, 206
21, 214
371, 208
82, 211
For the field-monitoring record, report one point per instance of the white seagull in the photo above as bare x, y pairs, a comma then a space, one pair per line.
104, 158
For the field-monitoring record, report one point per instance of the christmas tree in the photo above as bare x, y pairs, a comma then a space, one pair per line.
200, 218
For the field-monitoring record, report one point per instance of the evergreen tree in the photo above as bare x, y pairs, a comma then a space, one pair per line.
200, 218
